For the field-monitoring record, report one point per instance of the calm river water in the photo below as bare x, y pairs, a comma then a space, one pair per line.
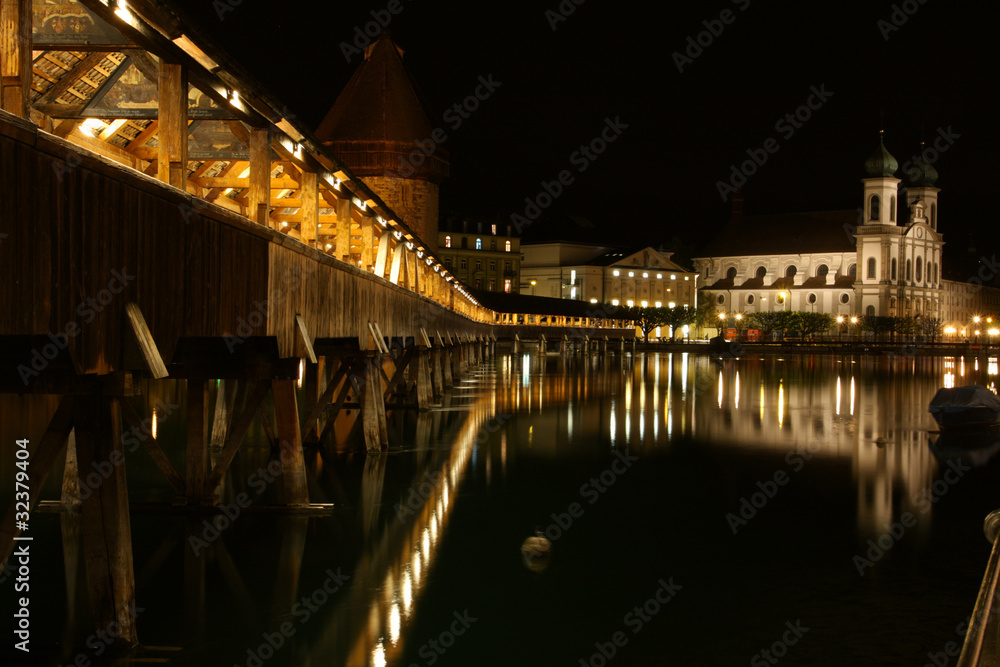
701, 512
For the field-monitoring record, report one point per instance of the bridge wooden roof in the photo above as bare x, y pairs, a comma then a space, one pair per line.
95, 79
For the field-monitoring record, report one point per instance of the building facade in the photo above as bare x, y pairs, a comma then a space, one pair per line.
883, 258
483, 255
605, 274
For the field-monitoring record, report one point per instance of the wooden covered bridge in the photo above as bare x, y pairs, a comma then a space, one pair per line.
162, 215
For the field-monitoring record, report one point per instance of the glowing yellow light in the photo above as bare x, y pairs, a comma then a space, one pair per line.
152, 426
949, 330
840, 319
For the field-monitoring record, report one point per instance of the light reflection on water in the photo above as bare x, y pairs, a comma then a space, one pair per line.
867, 413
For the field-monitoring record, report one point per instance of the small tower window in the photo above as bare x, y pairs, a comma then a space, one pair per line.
750, 299
892, 209
934, 216
479, 244
893, 277
871, 268
721, 299
873, 208
845, 298
870, 311
909, 270
811, 298
852, 270
920, 266
447, 241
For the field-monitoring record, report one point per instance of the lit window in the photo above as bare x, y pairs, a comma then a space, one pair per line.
672, 304
645, 275
508, 246
685, 277
593, 300
673, 276
645, 303
506, 285
615, 302
447, 242
630, 303
659, 276
479, 244
493, 229
616, 273
631, 274
659, 304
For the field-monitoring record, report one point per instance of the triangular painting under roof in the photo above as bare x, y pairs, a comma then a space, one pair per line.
67, 22
128, 93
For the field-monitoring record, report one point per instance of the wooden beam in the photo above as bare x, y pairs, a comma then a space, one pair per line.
197, 443
173, 136
238, 431
342, 249
79, 70
310, 207
293, 470
15, 56
383, 253
260, 176
398, 255
148, 352
153, 449
367, 242
282, 183
143, 136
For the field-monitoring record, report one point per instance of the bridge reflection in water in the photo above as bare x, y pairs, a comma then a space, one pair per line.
215, 601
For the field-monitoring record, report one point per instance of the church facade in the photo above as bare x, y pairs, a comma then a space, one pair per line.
883, 258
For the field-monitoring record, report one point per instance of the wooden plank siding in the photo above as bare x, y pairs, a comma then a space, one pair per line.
74, 221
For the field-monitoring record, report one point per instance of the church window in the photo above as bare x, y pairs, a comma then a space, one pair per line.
750, 299
934, 216
893, 269
871, 268
721, 299
811, 298
790, 271
731, 273
870, 311
822, 270
873, 208
909, 270
892, 209
845, 298
852, 270
761, 272
447, 241
920, 266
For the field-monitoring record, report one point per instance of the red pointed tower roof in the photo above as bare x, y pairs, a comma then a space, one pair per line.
378, 118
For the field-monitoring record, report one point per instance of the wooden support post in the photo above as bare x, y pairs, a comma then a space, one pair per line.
436, 375
398, 256
70, 495
197, 444
449, 379
343, 247
425, 391
15, 56
309, 229
311, 393
106, 527
259, 197
171, 156
224, 397
383, 253
368, 243
541, 344
293, 468
373, 406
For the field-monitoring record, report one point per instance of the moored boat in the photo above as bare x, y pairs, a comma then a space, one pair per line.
965, 407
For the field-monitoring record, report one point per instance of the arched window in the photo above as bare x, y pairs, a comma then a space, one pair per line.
822, 270
920, 267
909, 270
934, 216
892, 209
870, 311
871, 268
447, 241
893, 277
465, 243
731, 273
873, 208
479, 244
507, 246
852, 270
790, 271
761, 272
934, 275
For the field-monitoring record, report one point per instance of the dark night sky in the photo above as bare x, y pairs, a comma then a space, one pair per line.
685, 129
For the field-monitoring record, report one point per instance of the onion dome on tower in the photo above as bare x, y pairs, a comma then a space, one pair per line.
921, 172
881, 185
380, 128
881, 162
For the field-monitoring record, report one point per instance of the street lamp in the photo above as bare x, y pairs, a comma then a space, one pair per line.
840, 326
